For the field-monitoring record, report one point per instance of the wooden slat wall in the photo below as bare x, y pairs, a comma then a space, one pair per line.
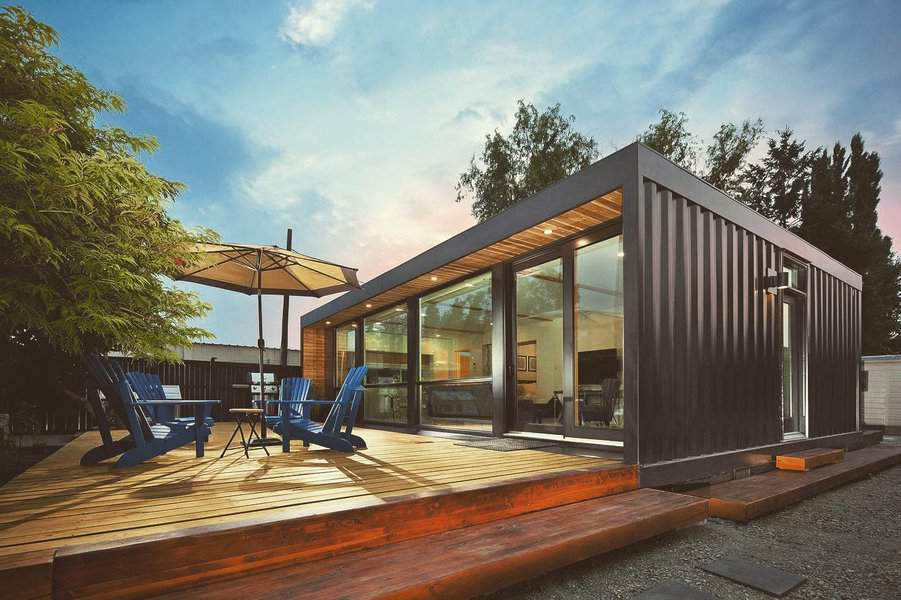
709, 367
316, 359
834, 354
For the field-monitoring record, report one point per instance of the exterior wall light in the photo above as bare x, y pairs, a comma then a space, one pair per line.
775, 281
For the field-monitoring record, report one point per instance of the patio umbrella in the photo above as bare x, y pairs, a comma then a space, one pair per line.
256, 269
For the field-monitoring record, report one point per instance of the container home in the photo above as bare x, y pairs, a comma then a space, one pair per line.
630, 306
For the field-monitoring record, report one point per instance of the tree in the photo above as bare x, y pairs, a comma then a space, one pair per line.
542, 149
85, 240
776, 186
670, 137
727, 154
824, 211
872, 254
839, 216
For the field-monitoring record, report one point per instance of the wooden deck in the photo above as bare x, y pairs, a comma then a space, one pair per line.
81, 517
746, 499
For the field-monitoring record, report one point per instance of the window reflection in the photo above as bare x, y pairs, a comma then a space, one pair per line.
455, 344
345, 350
599, 334
385, 353
539, 345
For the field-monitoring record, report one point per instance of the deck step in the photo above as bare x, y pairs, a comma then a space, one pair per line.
195, 556
805, 460
746, 499
477, 559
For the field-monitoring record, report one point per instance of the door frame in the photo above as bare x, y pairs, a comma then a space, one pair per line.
511, 343
565, 250
797, 297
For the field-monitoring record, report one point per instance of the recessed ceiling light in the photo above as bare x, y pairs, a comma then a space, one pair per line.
354, 325
548, 231
328, 322
368, 305
437, 335
433, 278
399, 309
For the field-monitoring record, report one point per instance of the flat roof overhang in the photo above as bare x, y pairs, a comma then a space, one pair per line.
575, 204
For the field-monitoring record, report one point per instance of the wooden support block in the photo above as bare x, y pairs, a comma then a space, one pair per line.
26, 576
805, 460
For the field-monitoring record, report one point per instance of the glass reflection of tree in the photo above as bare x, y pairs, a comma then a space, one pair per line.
540, 292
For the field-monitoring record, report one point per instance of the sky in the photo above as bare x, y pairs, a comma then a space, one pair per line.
351, 120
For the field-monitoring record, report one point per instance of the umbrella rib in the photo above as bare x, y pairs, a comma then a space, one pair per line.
308, 288
321, 273
208, 267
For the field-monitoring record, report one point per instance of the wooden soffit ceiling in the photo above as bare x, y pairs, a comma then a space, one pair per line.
593, 213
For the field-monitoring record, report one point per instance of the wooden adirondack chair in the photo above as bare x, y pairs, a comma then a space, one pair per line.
149, 387
148, 437
293, 391
343, 414
105, 383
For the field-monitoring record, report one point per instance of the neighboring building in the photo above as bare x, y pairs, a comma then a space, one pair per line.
882, 398
631, 305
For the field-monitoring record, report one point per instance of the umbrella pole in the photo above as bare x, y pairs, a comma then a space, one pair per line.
261, 343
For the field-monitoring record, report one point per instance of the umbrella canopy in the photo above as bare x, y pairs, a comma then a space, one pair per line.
254, 269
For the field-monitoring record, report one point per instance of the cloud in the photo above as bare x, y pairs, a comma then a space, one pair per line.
315, 23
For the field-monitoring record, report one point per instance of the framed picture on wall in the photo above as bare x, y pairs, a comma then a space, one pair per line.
521, 362
533, 364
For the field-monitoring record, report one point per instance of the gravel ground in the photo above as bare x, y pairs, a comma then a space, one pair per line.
847, 542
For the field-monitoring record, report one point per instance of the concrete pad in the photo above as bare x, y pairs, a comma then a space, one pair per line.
757, 576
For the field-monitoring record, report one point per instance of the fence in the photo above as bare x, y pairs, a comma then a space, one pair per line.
198, 380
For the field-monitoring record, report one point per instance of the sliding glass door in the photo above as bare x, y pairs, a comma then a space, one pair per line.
539, 347
598, 339
565, 354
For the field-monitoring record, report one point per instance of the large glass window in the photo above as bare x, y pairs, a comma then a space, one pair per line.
345, 350
599, 334
385, 353
539, 345
455, 355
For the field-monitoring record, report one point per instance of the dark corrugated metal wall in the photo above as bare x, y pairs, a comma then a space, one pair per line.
709, 376
834, 354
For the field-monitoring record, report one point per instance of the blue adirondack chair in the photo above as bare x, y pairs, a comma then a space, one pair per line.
105, 384
149, 387
149, 437
293, 391
336, 432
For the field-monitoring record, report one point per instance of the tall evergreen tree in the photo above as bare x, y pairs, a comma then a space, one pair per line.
870, 253
839, 216
777, 184
824, 212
